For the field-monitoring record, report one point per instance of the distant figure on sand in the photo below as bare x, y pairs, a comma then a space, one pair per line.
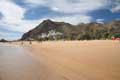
113, 38
22, 42
30, 42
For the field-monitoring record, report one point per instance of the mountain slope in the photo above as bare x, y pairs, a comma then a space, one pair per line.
49, 30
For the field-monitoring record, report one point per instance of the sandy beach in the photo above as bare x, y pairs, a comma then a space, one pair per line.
78, 60
59, 39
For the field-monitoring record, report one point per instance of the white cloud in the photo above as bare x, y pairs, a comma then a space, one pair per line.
82, 6
116, 9
12, 17
9, 36
75, 19
11, 12
100, 21
115, 6
21, 26
70, 6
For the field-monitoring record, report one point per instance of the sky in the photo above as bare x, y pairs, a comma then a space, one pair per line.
20, 16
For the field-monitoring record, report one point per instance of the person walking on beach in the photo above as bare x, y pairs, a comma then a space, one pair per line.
22, 42
30, 42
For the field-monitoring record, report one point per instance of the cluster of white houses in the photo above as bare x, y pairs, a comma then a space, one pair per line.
51, 33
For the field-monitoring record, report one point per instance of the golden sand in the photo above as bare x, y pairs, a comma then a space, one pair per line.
78, 60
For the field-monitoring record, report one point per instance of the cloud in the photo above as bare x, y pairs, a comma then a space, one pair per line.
115, 6
116, 9
12, 13
9, 36
70, 6
81, 6
22, 26
12, 17
75, 19
100, 21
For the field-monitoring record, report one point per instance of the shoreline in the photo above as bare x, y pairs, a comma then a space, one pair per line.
38, 42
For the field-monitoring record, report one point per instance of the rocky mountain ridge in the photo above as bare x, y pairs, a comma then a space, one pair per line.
50, 30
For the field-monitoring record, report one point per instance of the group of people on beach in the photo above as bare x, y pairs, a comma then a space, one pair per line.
30, 42
113, 38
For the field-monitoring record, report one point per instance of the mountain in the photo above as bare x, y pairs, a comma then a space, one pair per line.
50, 30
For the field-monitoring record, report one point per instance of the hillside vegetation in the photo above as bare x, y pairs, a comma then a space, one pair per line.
50, 30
